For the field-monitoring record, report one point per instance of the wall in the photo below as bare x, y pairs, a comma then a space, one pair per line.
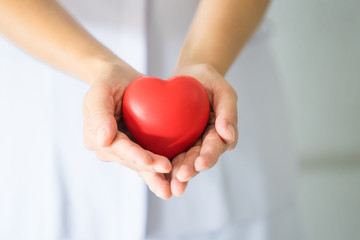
316, 44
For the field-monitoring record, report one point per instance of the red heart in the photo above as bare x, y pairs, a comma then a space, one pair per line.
166, 116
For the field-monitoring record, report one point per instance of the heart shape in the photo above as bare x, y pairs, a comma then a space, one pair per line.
165, 116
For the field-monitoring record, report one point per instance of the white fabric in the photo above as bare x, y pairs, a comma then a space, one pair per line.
51, 187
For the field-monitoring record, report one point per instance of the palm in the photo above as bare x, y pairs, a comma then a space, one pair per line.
104, 132
216, 139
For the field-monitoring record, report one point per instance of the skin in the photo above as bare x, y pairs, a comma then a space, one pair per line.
219, 31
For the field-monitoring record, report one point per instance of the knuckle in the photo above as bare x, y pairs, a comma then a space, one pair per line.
144, 160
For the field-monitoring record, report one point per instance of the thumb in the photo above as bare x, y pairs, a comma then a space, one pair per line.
106, 132
225, 108
100, 127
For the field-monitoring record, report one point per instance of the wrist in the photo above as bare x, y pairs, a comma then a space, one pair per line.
198, 65
108, 69
194, 68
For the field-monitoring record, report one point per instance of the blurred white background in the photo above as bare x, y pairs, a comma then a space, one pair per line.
316, 44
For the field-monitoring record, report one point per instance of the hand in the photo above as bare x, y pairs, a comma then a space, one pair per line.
103, 131
220, 134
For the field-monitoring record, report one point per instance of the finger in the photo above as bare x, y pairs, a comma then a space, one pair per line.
185, 167
100, 125
213, 146
225, 108
177, 187
106, 156
160, 163
157, 183
109, 157
125, 149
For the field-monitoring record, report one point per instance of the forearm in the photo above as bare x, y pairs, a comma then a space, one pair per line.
44, 29
219, 31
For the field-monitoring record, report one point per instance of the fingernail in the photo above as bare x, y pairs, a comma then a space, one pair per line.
101, 136
161, 169
198, 165
181, 176
231, 133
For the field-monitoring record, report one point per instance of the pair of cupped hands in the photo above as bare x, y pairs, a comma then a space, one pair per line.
105, 133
